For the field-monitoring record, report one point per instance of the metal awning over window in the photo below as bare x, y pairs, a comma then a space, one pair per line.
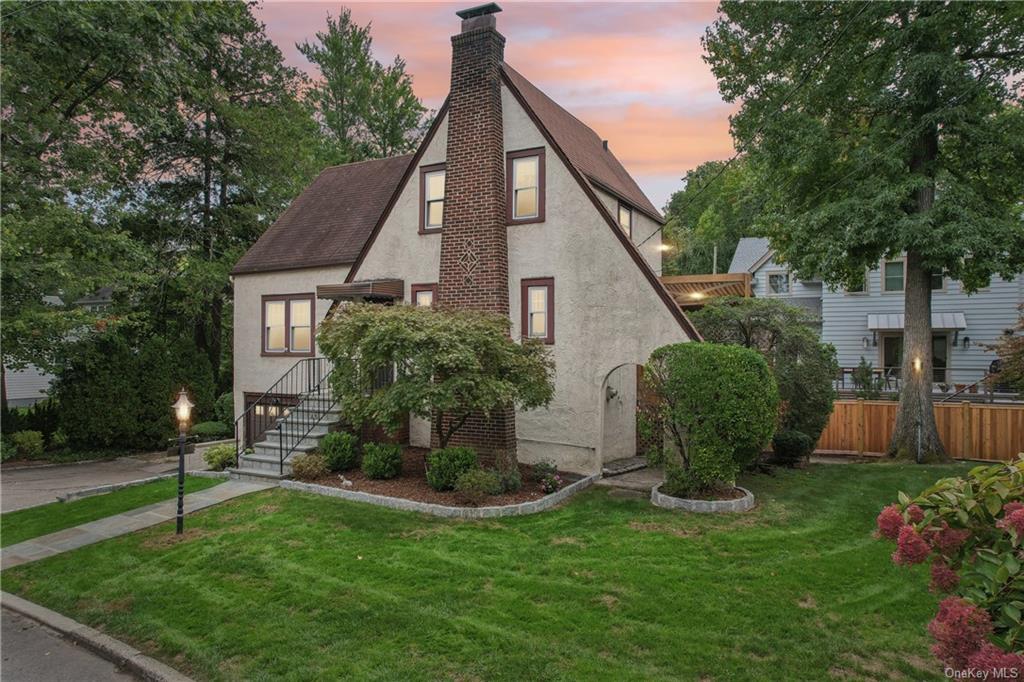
953, 321
370, 290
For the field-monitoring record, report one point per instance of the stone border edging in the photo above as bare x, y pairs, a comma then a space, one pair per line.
402, 504
745, 503
113, 650
111, 487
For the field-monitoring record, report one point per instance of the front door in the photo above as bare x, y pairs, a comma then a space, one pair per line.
892, 355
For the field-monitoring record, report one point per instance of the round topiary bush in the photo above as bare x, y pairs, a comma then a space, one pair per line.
219, 457
212, 430
444, 466
382, 460
719, 404
791, 447
340, 450
308, 466
477, 484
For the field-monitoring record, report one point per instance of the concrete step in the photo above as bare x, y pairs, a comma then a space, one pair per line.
623, 466
273, 447
256, 475
264, 466
293, 429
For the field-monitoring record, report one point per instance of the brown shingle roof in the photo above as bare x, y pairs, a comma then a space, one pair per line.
583, 146
330, 221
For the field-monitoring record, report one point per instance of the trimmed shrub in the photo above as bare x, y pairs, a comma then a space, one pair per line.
340, 450
28, 444
444, 466
308, 466
224, 408
219, 457
791, 447
475, 485
382, 460
212, 430
719, 403
543, 468
551, 483
510, 479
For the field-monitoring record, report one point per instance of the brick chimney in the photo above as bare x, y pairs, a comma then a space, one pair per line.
474, 240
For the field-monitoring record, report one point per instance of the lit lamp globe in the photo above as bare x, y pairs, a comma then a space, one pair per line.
183, 408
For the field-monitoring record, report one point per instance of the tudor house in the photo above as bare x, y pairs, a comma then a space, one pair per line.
510, 204
868, 323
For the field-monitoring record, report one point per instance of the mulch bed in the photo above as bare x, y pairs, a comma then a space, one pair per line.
412, 484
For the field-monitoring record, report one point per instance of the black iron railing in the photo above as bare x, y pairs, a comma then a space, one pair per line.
290, 409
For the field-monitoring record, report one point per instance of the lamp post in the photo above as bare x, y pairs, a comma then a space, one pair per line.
182, 410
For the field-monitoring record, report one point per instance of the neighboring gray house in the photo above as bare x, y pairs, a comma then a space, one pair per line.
869, 323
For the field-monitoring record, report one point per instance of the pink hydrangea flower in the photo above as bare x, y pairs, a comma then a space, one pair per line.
998, 664
960, 629
1011, 507
889, 522
944, 578
915, 514
1014, 520
910, 547
947, 540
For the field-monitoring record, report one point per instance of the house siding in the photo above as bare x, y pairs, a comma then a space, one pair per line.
805, 293
26, 386
253, 371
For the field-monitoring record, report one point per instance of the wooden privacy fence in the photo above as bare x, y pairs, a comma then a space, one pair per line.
968, 430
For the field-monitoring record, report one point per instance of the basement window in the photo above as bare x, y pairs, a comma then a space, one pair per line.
288, 324
424, 295
525, 185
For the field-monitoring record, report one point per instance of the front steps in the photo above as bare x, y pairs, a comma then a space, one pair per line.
264, 465
617, 467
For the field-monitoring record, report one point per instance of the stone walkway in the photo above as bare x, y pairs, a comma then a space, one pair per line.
121, 524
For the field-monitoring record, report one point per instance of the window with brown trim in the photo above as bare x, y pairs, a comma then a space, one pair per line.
288, 324
626, 219
423, 295
432, 193
524, 184
538, 303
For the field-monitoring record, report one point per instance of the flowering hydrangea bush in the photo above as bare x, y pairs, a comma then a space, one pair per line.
972, 530
551, 483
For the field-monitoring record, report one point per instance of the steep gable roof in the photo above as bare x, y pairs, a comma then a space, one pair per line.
328, 223
749, 250
583, 146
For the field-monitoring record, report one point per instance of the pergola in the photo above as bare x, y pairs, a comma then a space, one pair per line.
693, 291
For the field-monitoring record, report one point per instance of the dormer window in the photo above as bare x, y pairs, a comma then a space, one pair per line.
525, 185
626, 219
431, 197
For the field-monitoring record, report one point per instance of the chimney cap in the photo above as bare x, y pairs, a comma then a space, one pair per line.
478, 11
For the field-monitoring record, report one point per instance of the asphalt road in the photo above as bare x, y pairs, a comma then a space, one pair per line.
34, 653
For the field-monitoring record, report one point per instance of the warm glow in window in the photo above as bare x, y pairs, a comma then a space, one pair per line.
275, 339
301, 324
538, 312
434, 198
526, 187
424, 298
626, 219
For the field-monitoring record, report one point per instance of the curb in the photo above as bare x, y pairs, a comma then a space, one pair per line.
745, 503
445, 511
114, 650
111, 487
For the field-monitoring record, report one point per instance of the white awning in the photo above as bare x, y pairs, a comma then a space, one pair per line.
939, 321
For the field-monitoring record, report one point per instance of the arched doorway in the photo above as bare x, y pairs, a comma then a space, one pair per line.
618, 409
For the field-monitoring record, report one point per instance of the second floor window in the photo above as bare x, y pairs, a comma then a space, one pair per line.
432, 197
525, 191
778, 283
626, 219
288, 325
892, 275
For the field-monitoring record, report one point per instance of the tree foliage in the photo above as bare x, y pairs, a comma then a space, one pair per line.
804, 368
718, 205
880, 129
1010, 350
366, 109
448, 365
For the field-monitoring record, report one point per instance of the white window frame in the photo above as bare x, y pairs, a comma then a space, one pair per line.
768, 282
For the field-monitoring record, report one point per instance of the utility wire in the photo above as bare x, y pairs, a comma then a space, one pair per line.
803, 81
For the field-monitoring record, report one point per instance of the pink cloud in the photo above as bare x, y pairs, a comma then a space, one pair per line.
632, 71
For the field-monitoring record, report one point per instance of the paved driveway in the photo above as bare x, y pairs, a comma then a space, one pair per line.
31, 486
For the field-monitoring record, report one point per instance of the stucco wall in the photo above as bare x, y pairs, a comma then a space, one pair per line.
619, 429
643, 227
253, 372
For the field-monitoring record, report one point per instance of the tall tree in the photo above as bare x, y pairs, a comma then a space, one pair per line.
882, 129
366, 109
717, 206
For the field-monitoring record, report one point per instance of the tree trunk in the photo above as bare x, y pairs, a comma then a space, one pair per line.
916, 436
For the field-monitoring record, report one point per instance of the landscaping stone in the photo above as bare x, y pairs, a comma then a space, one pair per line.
741, 504
521, 509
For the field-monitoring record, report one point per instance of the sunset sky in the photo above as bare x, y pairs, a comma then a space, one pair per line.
632, 71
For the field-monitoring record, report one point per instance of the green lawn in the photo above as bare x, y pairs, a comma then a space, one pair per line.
283, 585
25, 524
